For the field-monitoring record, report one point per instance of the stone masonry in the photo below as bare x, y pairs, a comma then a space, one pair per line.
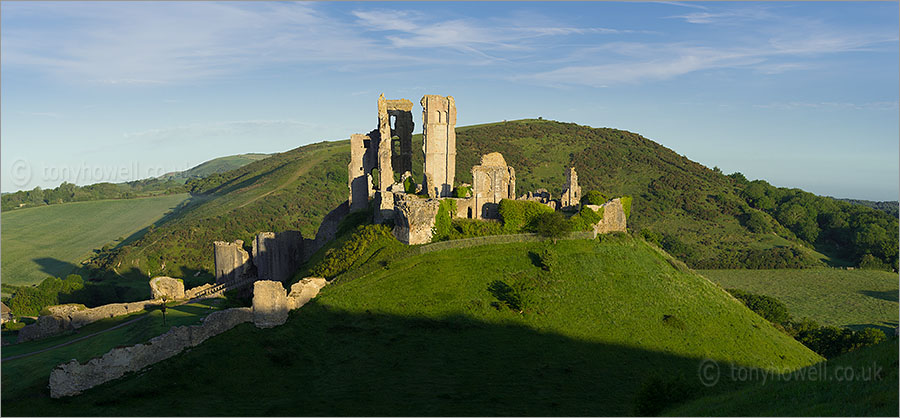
571, 195
439, 118
613, 217
492, 181
414, 218
277, 256
72, 378
166, 287
270, 308
232, 262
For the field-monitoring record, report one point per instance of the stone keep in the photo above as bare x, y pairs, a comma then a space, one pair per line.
414, 218
439, 118
571, 195
492, 181
232, 262
277, 256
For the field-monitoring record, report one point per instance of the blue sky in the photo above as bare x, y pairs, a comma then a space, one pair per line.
800, 94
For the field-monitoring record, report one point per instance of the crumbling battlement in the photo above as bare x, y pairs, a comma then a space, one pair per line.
414, 219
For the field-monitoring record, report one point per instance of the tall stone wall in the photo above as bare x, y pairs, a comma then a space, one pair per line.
232, 262
492, 181
71, 378
359, 171
414, 219
439, 119
277, 256
571, 195
400, 111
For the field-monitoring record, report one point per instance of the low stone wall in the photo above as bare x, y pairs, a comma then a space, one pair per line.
71, 317
71, 378
271, 304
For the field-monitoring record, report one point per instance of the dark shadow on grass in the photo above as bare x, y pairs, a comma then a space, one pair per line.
888, 295
328, 362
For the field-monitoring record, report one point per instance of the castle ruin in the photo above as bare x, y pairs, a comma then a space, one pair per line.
378, 157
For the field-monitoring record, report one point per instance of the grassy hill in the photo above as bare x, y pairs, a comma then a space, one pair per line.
699, 215
53, 240
214, 166
846, 298
422, 337
861, 383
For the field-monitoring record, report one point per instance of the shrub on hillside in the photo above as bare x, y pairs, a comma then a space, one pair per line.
517, 295
471, 228
831, 341
29, 301
658, 393
443, 226
520, 215
409, 185
462, 191
870, 262
546, 258
594, 197
767, 307
340, 259
585, 219
626, 205
552, 225
651, 236
756, 221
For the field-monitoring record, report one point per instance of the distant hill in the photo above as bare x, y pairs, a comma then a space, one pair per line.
217, 165
701, 216
170, 183
889, 207
434, 335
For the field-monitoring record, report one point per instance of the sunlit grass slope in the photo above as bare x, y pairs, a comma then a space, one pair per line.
51, 240
847, 298
421, 337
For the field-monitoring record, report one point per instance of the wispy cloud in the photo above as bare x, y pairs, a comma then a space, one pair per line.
884, 105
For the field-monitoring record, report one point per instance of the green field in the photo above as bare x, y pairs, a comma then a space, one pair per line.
421, 336
53, 240
847, 298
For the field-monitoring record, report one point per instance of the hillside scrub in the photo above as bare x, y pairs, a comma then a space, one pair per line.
29, 301
340, 259
520, 215
828, 341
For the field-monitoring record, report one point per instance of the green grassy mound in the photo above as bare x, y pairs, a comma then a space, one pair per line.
52, 240
475, 331
845, 298
860, 383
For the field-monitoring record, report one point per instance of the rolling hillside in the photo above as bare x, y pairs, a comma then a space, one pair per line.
53, 240
439, 334
699, 215
214, 166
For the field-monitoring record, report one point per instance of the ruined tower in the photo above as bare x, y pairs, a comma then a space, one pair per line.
231, 261
395, 139
439, 120
571, 195
492, 181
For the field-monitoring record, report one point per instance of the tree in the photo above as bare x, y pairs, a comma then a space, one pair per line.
552, 225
